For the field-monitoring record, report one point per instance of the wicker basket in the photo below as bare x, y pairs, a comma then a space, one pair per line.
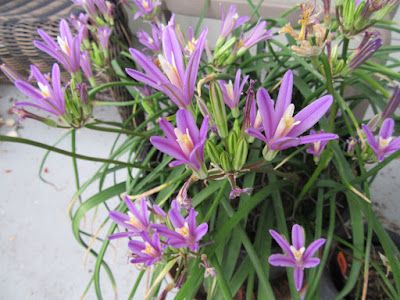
19, 21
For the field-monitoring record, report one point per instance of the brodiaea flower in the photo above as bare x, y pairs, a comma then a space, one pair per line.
152, 42
232, 92
149, 251
384, 144
47, 97
136, 221
230, 21
67, 49
145, 7
186, 233
255, 35
281, 129
296, 256
185, 142
173, 79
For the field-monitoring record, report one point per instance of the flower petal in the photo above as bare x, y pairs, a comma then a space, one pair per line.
311, 114
298, 275
284, 95
298, 236
281, 242
370, 138
387, 128
311, 262
312, 248
257, 134
266, 108
167, 146
280, 260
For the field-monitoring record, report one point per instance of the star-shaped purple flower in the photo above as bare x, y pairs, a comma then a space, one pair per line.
282, 130
186, 233
185, 142
136, 221
384, 144
296, 256
148, 251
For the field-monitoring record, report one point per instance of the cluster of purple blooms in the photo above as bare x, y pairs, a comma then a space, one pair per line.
150, 239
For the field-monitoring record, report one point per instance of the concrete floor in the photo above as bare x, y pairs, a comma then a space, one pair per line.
39, 257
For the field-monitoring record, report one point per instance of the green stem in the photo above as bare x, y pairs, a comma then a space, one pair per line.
4, 138
74, 161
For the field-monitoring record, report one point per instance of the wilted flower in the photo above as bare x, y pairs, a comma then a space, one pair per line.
237, 192
152, 42
317, 147
103, 34
148, 251
233, 92
296, 256
48, 96
368, 46
146, 8
391, 106
137, 221
182, 198
384, 144
281, 129
186, 233
174, 79
185, 142
209, 270
67, 49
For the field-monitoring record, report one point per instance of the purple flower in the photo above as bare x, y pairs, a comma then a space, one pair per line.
48, 96
145, 7
384, 144
230, 21
86, 64
296, 256
80, 23
255, 35
152, 42
67, 49
174, 80
281, 129
368, 46
317, 147
232, 92
186, 233
137, 220
148, 251
185, 142
88, 5
104, 33
11, 74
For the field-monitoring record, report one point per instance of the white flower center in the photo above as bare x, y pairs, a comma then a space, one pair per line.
44, 89
170, 70
184, 140
64, 45
149, 250
297, 253
383, 143
184, 230
229, 90
286, 123
145, 4
134, 221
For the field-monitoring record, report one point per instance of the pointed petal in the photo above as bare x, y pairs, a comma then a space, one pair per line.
201, 231
280, 260
312, 248
393, 146
284, 95
298, 275
387, 128
185, 121
172, 49
281, 242
257, 134
28, 89
370, 138
167, 146
298, 236
167, 128
148, 66
311, 114
266, 108
311, 262
175, 215
318, 137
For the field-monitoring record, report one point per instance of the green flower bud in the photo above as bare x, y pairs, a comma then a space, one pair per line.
218, 109
240, 155
213, 152
225, 161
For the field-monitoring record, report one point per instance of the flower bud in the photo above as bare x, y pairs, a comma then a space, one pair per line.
218, 109
225, 160
240, 155
212, 152
232, 143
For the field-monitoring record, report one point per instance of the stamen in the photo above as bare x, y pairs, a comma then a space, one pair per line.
64, 45
287, 122
44, 89
184, 230
149, 250
134, 221
297, 253
184, 140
